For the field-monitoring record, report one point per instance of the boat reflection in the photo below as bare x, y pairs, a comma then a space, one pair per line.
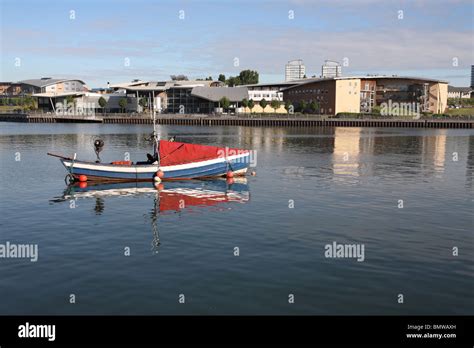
168, 197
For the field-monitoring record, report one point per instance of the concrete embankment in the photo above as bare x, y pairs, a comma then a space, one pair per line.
250, 121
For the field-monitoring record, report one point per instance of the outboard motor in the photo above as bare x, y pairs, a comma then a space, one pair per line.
98, 146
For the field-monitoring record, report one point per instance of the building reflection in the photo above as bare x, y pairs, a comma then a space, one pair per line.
353, 150
434, 151
346, 151
470, 162
368, 151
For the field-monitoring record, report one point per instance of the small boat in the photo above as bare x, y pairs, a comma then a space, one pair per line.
171, 160
175, 161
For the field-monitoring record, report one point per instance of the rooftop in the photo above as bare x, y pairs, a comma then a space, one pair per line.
57, 95
362, 77
459, 89
46, 81
214, 94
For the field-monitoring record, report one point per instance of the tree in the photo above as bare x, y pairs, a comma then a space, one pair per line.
143, 102
251, 105
303, 106
69, 100
245, 103
275, 104
233, 81
224, 102
102, 103
123, 103
209, 78
248, 77
288, 106
313, 106
221, 78
179, 78
263, 103
34, 105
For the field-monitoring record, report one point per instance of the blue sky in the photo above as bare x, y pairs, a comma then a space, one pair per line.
433, 39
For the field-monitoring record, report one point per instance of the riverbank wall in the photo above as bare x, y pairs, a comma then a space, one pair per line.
246, 121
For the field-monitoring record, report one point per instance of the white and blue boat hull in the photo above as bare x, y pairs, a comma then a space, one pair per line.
238, 164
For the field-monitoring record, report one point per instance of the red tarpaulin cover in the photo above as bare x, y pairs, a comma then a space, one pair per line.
174, 153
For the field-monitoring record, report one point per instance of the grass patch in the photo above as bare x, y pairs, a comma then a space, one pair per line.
461, 112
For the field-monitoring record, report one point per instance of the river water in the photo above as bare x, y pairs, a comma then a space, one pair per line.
257, 246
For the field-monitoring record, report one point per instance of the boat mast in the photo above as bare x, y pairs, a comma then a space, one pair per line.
156, 142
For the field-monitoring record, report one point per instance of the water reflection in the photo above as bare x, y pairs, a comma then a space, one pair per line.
346, 152
168, 197
359, 152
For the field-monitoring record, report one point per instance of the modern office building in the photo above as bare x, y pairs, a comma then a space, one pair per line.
295, 70
53, 86
203, 99
10, 89
269, 91
42, 85
332, 95
429, 95
183, 96
363, 93
328, 96
331, 69
84, 102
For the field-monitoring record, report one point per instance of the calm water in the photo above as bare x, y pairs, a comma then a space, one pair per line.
313, 187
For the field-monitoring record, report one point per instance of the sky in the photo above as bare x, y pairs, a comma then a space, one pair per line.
117, 41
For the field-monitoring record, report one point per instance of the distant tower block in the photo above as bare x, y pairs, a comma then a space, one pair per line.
331, 69
294, 70
472, 76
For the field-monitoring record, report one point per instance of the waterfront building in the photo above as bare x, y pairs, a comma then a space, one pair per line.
328, 96
10, 89
50, 85
331, 69
84, 102
459, 92
203, 99
429, 95
331, 95
363, 93
185, 96
268, 91
295, 70
42, 85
